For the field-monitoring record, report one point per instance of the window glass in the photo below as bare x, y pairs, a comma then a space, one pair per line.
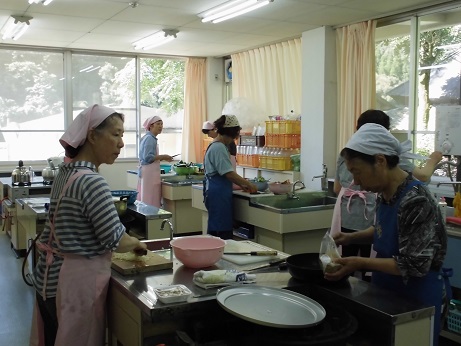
109, 81
31, 104
438, 72
393, 73
162, 94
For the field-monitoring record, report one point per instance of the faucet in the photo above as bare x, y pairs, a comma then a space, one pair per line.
293, 194
162, 227
324, 180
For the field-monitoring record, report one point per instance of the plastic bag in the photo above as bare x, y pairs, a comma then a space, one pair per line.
329, 251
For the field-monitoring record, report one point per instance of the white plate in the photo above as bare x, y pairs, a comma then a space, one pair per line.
271, 307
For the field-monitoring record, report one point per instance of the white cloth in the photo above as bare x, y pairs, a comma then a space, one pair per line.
373, 139
221, 277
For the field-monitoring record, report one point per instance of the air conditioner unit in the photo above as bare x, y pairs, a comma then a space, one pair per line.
228, 70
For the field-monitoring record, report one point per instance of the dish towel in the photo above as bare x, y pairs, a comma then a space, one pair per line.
216, 278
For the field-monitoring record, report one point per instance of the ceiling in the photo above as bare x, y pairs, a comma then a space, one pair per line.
113, 25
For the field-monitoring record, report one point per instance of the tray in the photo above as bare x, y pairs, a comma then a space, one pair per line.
272, 307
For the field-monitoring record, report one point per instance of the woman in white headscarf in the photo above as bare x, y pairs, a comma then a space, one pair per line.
149, 182
81, 232
409, 234
219, 176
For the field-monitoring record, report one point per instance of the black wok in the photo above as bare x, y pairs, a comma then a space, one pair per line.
306, 267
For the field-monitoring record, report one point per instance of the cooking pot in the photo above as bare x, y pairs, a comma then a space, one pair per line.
21, 174
121, 204
306, 267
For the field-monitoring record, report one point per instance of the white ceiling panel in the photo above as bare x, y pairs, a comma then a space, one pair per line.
112, 25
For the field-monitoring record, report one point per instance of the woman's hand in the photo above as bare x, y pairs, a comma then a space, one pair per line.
348, 265
167, 158
251, 188
342, 238
140, 249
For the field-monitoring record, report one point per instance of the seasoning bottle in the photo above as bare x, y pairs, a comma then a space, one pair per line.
443, 208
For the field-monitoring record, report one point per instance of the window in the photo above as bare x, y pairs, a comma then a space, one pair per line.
411, 99
110, 81
162, 94
33, 104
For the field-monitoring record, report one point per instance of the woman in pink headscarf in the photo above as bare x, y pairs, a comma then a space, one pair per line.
81, 232
149, 182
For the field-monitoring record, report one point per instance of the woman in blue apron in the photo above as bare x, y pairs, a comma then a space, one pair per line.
219, 176
409, 235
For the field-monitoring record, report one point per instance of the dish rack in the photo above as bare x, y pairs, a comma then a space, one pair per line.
133, 194
454, 316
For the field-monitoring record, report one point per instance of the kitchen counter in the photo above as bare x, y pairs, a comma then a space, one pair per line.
131, 298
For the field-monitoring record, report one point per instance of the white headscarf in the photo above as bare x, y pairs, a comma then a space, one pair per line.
89, 118
373, 139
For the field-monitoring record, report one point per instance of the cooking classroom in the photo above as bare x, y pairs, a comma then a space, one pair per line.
230, 172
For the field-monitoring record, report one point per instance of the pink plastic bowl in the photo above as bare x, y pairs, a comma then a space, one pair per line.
199, 251
280, 189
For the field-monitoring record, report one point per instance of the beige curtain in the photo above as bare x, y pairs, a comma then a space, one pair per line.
195, 109
270, 76
356, 75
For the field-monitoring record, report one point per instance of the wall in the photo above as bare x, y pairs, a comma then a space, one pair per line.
215, 87
318, 109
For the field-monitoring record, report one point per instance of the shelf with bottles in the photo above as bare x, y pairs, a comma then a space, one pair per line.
266, 157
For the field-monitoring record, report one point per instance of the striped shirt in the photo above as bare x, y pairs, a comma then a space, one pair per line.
86, 222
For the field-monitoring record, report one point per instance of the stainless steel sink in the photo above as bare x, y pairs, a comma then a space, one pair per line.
183, 179
304, 202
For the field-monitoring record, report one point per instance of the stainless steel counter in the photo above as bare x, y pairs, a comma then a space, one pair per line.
362, 296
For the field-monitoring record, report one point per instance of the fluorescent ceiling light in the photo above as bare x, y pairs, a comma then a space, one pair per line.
232, 9
155, 40
44, 2
15, 27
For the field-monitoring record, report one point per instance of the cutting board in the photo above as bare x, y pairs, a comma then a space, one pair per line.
243, 246
151, 262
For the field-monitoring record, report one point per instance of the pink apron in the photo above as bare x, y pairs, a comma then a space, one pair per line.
150, 184
37, 335
82, 291
336, 221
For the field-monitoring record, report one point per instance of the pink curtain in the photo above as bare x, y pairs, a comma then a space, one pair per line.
195, 109
356, 76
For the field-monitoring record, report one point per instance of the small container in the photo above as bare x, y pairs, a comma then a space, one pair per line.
172, 294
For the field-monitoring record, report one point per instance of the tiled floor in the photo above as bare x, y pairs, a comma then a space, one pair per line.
16, 298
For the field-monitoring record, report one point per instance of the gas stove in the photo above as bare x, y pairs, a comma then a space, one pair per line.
224, 329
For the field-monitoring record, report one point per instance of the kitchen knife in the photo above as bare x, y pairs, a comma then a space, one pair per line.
253, 253
176, 155
270, 264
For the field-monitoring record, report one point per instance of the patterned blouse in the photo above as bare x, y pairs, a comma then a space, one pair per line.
422, 233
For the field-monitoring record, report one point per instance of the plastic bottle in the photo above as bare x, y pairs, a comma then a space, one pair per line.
443, 208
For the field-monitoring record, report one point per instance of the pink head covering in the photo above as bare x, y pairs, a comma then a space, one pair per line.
88, 119
150, 121
207, 125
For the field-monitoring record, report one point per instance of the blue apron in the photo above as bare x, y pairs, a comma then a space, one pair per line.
427, 289
217, 196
